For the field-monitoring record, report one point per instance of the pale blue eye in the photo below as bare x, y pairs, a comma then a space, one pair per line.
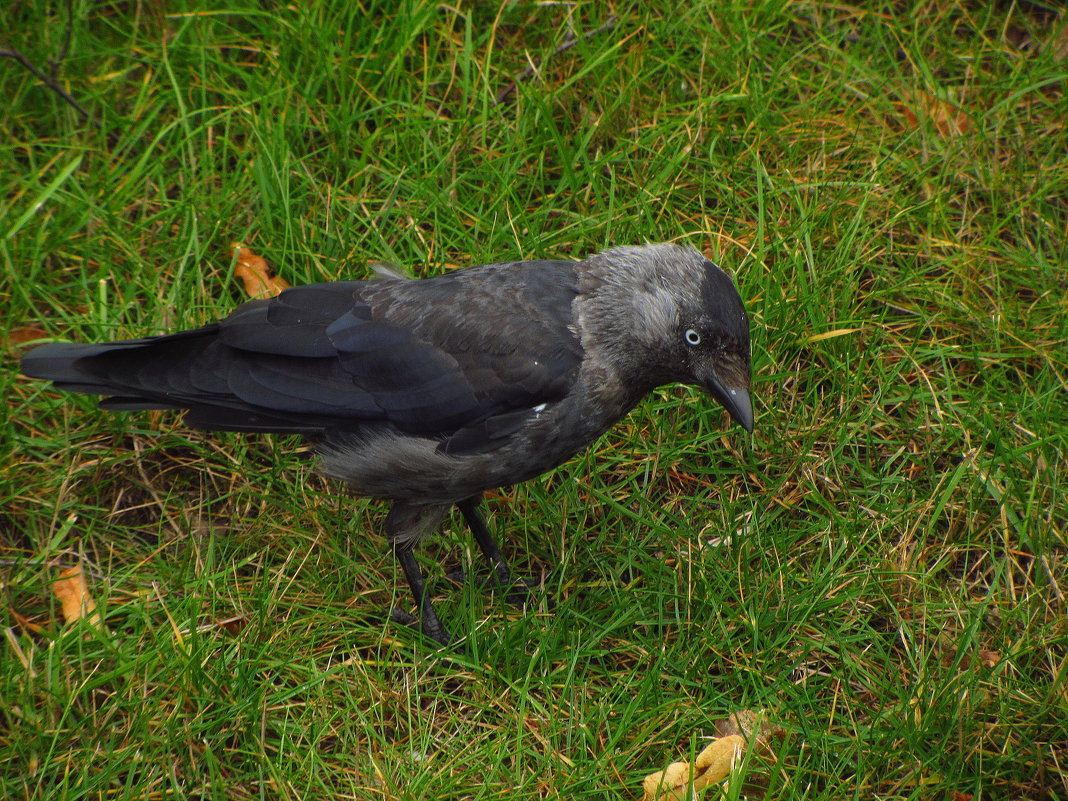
692, 337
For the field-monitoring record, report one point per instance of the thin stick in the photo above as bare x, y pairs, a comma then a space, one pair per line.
569, 41
51, 80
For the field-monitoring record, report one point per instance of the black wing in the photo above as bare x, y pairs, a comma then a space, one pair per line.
465, 358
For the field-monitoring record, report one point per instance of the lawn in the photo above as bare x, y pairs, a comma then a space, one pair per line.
880, 568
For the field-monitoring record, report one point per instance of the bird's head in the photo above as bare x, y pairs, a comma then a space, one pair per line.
680, 316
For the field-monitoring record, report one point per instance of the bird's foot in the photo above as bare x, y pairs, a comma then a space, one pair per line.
430, 625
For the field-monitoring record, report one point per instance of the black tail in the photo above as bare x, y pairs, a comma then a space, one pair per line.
116, 369
174, 371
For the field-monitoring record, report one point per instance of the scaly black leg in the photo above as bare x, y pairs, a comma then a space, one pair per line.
430, 622
406, 525
469, 509
517, 594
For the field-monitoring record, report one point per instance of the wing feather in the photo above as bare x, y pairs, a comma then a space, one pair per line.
464, 358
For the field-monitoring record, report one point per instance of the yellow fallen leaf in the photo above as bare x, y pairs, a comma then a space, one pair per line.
254, 271
73, 593
680, 780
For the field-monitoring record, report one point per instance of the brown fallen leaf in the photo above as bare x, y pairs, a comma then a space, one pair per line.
254, 271
948, 119
754, 725
680, 780
989, 659
25, 333
762, 737
25, 623
73, 594
983, 658
232, 625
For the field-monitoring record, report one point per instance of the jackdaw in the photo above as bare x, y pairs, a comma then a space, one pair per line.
428, 393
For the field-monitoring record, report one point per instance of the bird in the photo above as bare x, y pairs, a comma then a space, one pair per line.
430, 392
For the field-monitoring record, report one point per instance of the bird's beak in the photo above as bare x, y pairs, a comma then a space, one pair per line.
734, 399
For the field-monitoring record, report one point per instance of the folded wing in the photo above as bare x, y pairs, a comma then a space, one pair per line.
464, 358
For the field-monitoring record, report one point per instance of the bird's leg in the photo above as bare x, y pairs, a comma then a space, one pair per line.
406, 524
429, 621
469, 509
516, 595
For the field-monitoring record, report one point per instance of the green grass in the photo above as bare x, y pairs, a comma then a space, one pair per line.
881, 566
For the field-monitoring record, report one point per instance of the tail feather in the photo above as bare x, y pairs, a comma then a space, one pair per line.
113, 368
57, 362
191, 370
